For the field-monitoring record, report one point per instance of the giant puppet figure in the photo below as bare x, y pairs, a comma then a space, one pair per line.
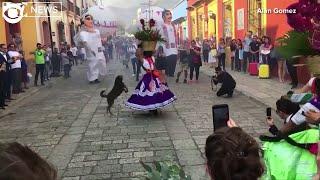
90, 39
168, 32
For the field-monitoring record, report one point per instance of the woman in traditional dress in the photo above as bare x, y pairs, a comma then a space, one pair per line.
151, 93
90, 39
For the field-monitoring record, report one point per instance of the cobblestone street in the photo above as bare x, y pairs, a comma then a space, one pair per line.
67, 124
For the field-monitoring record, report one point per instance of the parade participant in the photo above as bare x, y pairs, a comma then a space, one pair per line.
161, 63
90, 39
150, 93
184, 55
168, 31
139, 56
15, 69
132, 50
228, 83
195, 62
39, 55
66, 63
74, 50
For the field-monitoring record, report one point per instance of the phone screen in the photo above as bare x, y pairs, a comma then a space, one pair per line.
220, 116
268, 112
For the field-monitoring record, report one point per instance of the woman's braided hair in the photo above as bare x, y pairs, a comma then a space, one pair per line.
232, 154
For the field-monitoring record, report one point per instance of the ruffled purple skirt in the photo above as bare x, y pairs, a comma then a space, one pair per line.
150, 94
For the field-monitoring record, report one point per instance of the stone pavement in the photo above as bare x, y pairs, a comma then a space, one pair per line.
267, 91
67, 124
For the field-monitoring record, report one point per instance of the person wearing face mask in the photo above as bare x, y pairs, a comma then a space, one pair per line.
90, 39
168, 32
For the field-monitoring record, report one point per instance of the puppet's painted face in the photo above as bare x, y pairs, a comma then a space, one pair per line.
88, 21
167, 17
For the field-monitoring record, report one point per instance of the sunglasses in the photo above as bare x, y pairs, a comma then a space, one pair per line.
88, 18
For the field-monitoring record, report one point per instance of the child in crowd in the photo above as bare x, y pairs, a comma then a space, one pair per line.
240, 53
213, 56
184, 62
66, 63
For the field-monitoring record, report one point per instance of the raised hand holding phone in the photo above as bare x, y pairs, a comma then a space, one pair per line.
220, 114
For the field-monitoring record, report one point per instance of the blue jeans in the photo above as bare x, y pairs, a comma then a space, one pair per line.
134, 62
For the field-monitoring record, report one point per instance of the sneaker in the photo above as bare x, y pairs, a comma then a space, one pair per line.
97, 81
177, 80
133, 75
185, 81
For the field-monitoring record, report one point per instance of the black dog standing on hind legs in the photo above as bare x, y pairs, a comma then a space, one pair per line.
115, 92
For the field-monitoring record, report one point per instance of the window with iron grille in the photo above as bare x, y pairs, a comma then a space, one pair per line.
254, 18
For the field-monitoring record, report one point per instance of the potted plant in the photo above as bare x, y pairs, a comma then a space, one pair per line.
304, 39
164, 171
149, 35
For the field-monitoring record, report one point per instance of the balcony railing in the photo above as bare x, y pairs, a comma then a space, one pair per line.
77, 11
70, 6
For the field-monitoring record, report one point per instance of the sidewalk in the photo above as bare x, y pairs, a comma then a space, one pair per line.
267, 91
13, 105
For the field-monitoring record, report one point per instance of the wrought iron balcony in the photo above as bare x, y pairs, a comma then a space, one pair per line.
77, 10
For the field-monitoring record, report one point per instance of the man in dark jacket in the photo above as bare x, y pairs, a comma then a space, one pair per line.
6, 72
228, 83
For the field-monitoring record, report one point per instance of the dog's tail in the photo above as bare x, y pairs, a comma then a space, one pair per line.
102, 94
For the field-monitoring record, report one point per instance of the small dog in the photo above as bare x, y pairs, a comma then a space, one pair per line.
116, 91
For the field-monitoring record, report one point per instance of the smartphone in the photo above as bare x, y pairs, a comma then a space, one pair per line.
220, 114
269, 112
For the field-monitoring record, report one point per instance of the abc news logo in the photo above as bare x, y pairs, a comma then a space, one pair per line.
14, 12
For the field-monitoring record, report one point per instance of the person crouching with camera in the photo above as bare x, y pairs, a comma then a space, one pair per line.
227, 81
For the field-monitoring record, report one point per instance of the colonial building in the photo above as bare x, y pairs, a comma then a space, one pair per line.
180, 20
36, 29
233, 18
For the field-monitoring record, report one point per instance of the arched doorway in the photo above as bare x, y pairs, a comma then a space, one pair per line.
72, 32
46, 33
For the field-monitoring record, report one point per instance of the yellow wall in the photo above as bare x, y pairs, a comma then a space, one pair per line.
200, 29
28, 34
2, 30
264, 16
212, 25
194, 24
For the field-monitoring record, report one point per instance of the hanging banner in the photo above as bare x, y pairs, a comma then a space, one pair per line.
240, 19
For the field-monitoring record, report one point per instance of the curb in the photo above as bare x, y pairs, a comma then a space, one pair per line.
13, 105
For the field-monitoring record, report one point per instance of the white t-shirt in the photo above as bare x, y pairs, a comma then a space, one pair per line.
172, 50
17, 63
74, 51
